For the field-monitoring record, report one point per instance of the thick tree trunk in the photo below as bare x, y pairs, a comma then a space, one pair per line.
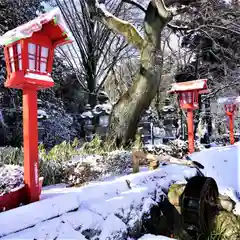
127, 111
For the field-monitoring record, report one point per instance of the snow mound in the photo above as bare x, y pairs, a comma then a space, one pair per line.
222, 164
153, 237
101, 210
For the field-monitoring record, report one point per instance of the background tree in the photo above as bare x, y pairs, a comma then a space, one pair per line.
96, 49
212, 36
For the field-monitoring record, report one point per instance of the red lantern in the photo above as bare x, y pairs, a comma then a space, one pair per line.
188, 99
230, 108
29, 51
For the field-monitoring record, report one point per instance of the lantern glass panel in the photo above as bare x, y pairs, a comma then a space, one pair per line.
38, 56
19, 53
15, 57
32, 55
44, 56
11, 58
189, 97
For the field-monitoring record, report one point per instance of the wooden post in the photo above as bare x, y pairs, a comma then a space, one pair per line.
30, 139
190, 130
135, 160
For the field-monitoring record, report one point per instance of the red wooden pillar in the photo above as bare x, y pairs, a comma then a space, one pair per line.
30, 136
231, 129
190, 130
230, 109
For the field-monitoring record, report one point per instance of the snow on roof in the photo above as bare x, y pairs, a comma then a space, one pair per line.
233, 99
200, 84
26, 30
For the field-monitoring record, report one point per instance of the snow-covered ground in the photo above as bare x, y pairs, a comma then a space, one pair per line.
111, 209
152, 237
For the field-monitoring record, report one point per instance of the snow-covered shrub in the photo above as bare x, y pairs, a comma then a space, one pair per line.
176, 148
80, 173
72, 164
11, 176
57, 126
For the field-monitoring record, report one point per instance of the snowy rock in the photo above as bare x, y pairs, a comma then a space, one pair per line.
66, 232
100, 210
153, 237
113, 229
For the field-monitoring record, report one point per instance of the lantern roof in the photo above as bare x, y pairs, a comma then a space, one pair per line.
42, 23
196, 85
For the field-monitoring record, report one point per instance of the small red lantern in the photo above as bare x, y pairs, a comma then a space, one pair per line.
230, 107
188, 99
29, 51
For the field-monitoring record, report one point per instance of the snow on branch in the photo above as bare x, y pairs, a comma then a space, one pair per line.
135, 4
163, 11
118, 25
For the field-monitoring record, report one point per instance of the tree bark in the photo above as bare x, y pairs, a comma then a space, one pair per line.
128, 109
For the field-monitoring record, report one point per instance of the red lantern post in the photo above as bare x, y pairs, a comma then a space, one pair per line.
29, 51
188, 97
230, 107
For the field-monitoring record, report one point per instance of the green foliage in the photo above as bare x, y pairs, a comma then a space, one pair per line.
11, 155
52, 163
63, 152
96, 146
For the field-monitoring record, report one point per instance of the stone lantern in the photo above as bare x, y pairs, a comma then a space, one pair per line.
168, 113
88, 127
146, 127
102, 112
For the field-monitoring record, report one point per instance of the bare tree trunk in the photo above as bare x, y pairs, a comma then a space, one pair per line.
126, 112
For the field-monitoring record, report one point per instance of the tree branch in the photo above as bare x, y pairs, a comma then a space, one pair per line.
135, 4
118, 25
177, 28
163, 11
